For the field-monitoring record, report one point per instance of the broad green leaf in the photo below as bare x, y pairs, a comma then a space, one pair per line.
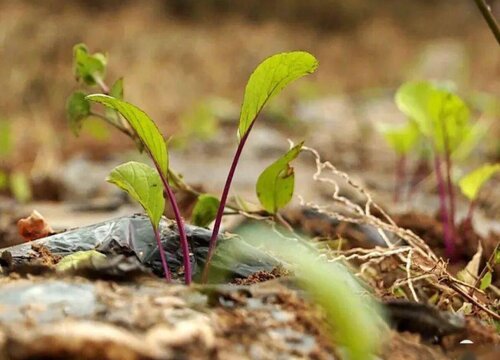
401, 139
20, 187
5, 138
142, 183
96, 128
471, 139
77, 109
90, 68
472, 182
143, 125
486, 281
205, 210
80, 260
441, 115
276, 183
268, 79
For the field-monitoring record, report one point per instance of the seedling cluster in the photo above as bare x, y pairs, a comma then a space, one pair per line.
146, 185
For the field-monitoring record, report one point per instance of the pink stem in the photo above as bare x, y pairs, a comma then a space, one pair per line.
168, 275
448, 236
223, 200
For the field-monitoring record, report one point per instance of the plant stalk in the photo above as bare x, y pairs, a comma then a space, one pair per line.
168, 275
222, 205
490, 19
448, 235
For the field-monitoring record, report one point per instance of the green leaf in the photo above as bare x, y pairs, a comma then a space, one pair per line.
116, 91
142, 183
5, 138
401, 139
497, 255
486, 281
441, 115
90, 68
4, 180
268, 79
77, 109
20, 187
80, 260
143, 125
276, 183
472, 182
205, 210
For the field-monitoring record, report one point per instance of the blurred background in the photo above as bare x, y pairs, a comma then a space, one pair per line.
186, 62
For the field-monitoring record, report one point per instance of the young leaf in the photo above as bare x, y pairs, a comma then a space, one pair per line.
471, 183
486, 281
276, 183
401, 139
90, 68
143, 183
205, 210
80, 260
116, 91
441, 115
268, 79
4, 180
77, 109
142, 124
5, 138
20, 187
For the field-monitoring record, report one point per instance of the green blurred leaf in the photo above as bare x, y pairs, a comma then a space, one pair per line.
77, 109
440, 115
80, 260
497, 256
96, 128
486, 281
4, 180
200, 121
20, 187
5, 138
351, 311
401, 139
142, 183
143, 125
276, 183
268, 79
116, 91
470, 140
205, 210
472, 182
90, 68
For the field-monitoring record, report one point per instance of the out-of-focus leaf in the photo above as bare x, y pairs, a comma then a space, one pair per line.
5, 138
90, 68
77, 109
142, 124
200, 121
471, 139
350, 310
486, 281
497, 256
142, 183
80, 260
20, 187
276, 183
116, 91
440, 115
472, 182
4, 180
205, 210
268, 79
96, 128
401, 139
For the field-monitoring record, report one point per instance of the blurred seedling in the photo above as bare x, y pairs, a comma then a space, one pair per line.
443, 119
275, 185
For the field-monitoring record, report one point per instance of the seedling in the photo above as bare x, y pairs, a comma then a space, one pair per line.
402, 140
267, 80
155, 146
471, 184
443, 119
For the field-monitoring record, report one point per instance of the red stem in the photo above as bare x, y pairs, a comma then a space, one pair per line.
168, 275
223, 200
448, 235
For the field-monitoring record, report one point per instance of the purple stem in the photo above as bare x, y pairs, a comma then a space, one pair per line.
168, 275
178, 219
470, 213
448, 238
400, 175
223, 200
